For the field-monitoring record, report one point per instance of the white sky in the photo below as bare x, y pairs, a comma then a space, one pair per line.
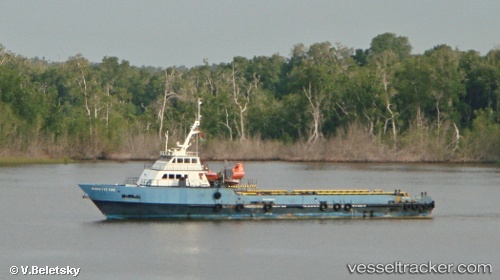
166, 33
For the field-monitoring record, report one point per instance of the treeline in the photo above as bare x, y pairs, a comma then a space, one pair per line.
330, 102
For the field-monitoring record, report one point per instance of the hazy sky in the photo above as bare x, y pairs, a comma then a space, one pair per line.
166, 33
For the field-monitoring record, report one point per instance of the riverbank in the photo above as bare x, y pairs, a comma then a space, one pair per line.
355, 148
23, 160
350, 145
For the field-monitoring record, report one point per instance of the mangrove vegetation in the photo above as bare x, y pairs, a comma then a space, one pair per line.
325, 102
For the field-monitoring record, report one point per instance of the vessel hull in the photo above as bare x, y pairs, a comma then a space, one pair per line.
126, 202
119, 210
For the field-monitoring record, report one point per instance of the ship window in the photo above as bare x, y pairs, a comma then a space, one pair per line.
177, 176
165, 176
194, 160
171, 176
179, 160
185, 176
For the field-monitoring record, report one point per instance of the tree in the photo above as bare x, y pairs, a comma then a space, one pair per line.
446, 83
413, 84
167, 94
399, 45
4, 55
90, 109
387, 50
361, 56
363, 99
484, 138
241, 91
482, 83
316, 73
386, 63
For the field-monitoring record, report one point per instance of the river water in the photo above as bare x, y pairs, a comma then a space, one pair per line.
44, 222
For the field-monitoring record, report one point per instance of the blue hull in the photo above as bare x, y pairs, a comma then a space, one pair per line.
119, 210
128, 202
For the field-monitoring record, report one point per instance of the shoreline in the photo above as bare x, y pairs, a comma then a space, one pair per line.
23, 160
336, 150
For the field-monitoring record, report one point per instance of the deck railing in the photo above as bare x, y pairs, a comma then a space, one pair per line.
170, 153
131, 181
175, 167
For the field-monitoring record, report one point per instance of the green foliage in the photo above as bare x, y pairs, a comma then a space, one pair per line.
423, 102
390, 42
483, 139
9, 125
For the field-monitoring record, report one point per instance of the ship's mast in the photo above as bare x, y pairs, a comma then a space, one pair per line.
194, 130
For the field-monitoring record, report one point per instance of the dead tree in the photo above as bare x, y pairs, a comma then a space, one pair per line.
169, 93
242, 99
315, 106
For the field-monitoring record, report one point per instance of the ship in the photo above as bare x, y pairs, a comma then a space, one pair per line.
180, 186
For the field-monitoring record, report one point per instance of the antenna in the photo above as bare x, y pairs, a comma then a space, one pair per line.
199, 119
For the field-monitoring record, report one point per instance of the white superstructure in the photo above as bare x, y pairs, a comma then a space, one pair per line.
177, 167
